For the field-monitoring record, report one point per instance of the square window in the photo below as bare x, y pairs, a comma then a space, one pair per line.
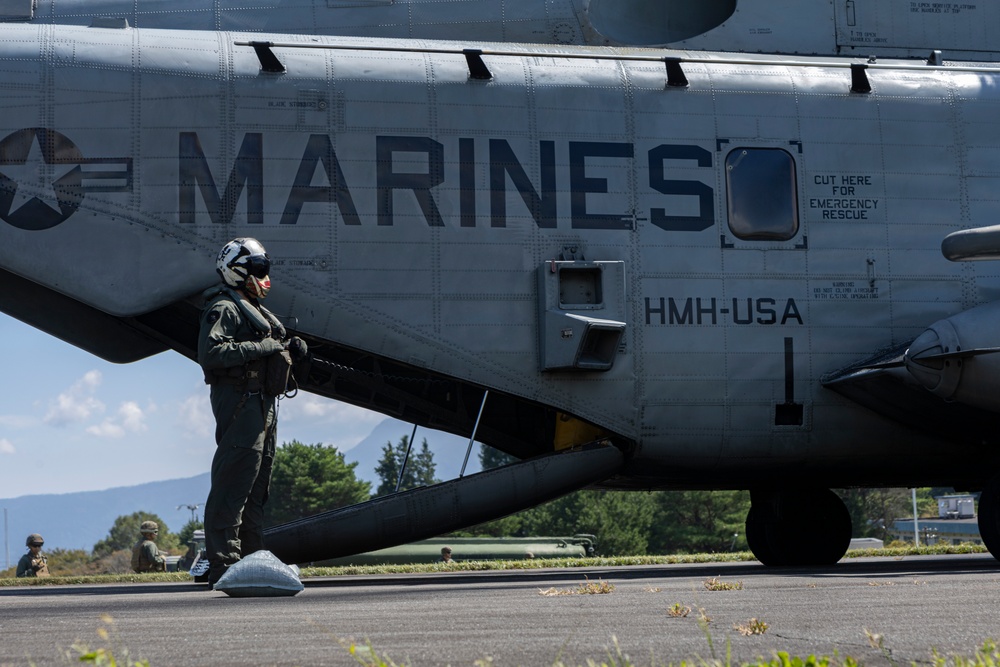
761, 194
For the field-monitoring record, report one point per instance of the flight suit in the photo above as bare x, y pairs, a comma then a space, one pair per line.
146, 557
230, 353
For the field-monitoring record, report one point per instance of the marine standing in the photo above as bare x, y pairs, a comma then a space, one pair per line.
145, 554
238, 337
34, 563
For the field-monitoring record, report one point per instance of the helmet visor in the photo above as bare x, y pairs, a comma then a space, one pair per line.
258, 266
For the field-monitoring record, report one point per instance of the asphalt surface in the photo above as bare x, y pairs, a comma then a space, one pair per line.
916, 604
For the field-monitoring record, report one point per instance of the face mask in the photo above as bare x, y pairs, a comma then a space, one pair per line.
258, 287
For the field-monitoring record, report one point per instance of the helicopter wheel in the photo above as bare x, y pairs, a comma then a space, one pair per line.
989, 516
801, 527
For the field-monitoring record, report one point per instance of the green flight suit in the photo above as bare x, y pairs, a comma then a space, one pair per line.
146, 557
229, 352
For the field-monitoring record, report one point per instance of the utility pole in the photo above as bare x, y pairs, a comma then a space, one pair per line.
6, 542
193, 508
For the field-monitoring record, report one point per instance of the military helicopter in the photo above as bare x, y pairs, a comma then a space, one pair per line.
887, 28
708, 266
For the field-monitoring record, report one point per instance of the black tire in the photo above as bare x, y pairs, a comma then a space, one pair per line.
833, 535
763, 535
806, 527
756, 536
989, 516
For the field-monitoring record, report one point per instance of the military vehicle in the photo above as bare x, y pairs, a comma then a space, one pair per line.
631, 268
474, 549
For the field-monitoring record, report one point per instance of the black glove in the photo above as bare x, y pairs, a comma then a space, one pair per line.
269, 346
298, 348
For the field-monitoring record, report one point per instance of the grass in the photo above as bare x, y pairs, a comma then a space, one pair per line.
105, 656
589, 588
497, 565
716, 584
114, 653
754, 626
678, 610
367, 655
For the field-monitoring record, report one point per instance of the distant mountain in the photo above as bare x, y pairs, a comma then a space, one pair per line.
80, 520
449, 450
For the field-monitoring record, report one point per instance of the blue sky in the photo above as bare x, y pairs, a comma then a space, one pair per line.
70, 421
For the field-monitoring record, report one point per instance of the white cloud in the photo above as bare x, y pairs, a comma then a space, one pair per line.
306, 417
196, 417
77, 403
6, 447
130, 419
310, 406
106, 429
311, 418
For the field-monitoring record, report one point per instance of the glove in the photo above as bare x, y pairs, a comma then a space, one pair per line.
269, 346
298, 348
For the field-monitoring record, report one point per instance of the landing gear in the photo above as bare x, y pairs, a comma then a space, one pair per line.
800, 527
989, 516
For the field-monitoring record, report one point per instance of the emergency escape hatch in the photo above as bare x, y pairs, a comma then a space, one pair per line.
581, 314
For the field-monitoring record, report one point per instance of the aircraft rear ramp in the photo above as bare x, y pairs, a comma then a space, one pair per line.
433, 510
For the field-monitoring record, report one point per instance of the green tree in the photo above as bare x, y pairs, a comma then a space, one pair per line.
927, 503
186, 533
621, 521
490, 458
309, 479
124, 534
699, 521
420, 467
424, 467
71, 562
873, 510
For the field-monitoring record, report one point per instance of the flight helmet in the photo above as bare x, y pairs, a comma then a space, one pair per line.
244, 264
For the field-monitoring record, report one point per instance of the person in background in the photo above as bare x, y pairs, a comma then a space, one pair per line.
145, 554
34, 563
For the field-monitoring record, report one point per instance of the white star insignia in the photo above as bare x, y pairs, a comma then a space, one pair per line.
35, 178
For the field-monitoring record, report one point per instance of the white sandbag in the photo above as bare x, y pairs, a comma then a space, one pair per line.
260, 574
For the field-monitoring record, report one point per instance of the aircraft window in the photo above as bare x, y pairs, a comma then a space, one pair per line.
580, 287
761, 194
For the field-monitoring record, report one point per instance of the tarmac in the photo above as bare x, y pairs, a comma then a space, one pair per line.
880, 611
